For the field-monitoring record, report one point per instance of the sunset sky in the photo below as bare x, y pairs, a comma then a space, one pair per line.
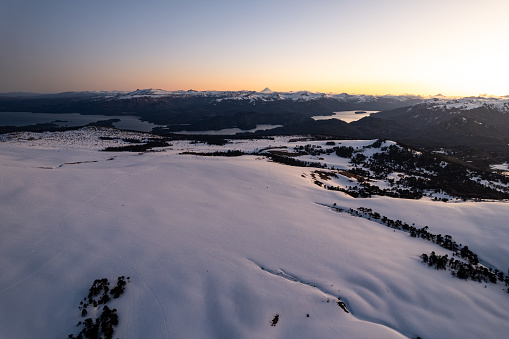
453, 47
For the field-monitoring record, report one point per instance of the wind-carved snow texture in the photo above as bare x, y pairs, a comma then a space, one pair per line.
328, 297
471, 265
181, 225
280, 273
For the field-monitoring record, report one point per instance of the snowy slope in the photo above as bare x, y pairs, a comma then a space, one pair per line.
216, 247
468, 103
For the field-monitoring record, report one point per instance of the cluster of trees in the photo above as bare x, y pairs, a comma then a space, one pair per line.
99, 294
463, 270
293, 162
138, 147
428, 171
274, 320
100, 289
344, 151
444, 241
118, 290
366, 190
422, 171
316, 150
102, 327
229, 153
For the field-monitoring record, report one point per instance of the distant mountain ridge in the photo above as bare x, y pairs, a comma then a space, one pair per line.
467, 121
477, 122
198, 107
265, 95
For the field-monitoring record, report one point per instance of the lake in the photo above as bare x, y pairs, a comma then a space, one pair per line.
230, 131
129, 122
346, 116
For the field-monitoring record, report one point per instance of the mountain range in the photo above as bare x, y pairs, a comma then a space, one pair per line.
476, 127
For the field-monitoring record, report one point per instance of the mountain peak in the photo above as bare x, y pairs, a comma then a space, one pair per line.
267, 90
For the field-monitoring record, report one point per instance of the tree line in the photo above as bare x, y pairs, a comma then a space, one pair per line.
470, 268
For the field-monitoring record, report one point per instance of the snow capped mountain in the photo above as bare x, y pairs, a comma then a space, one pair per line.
253, 96
476, 122
143, 93
268, 95
302, 96
469, 103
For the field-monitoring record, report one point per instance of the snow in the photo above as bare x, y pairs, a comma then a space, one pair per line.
500, 103
468, 103
253, 96
216, 247
502, 167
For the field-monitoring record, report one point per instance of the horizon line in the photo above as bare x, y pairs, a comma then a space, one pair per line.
255, 91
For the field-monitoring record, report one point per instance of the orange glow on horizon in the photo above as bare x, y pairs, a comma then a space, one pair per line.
363, 47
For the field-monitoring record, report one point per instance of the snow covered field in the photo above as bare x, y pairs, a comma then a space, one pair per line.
216, 247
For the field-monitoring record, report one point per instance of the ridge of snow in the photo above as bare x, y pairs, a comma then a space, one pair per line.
500, 104
253, 96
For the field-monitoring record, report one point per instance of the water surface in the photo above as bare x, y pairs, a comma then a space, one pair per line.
230, 131
129, 122
346, 116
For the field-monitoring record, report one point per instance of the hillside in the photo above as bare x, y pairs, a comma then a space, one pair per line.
477, 122
471, 128
249, 243
204, 109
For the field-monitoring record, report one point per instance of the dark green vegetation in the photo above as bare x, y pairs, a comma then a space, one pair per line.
419, 173
478, 135
465, 270
467, 265
99, 295
290, 161
483, 129
52, 127
209, 111
229, 153
274, 320
138, 146
37, 128
424, 171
